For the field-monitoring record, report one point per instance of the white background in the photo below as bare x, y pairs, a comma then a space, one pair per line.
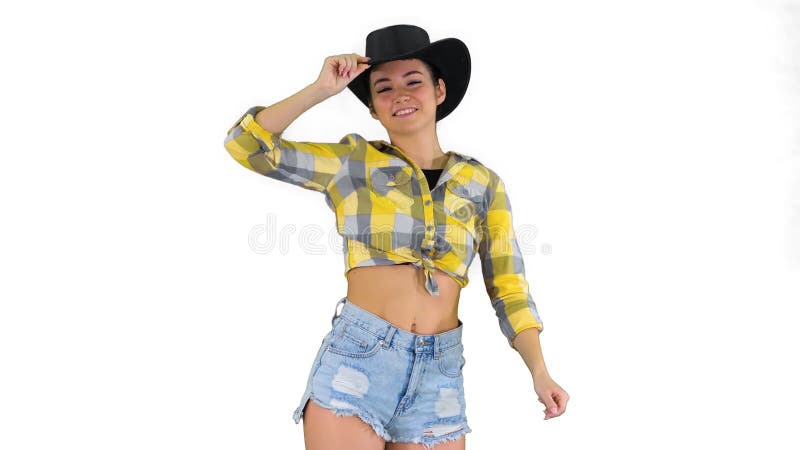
653, 146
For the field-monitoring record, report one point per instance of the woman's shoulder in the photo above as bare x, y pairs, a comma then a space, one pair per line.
353, 138
487, 175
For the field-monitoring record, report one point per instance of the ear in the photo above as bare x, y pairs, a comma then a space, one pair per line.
441, 92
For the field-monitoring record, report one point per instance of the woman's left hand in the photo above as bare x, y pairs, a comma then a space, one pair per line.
551, 395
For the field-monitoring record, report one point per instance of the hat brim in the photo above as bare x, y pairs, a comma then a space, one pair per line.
451, 58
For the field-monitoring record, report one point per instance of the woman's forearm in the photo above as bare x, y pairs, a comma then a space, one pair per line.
277, 117
528, 346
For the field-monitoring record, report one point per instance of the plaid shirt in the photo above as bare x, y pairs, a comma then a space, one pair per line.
387, 213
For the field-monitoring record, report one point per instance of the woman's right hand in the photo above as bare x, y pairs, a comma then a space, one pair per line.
339, 70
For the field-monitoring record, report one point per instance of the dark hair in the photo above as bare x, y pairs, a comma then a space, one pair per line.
433, 70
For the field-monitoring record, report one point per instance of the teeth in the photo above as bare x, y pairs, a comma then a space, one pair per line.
404, 111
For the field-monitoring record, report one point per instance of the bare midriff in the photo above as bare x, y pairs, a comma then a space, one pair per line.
397, 294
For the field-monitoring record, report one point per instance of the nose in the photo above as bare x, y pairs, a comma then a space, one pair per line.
401, 99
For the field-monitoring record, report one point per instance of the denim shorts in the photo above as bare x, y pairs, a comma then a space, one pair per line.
408, 387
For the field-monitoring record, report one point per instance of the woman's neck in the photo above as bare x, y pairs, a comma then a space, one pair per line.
423, 149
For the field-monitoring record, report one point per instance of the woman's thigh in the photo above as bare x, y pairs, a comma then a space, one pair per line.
324, 430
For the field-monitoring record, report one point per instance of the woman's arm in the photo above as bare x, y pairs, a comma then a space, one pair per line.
276, 118
503, 267
336, 73
504, 275
528, 346
550, 394
255, 141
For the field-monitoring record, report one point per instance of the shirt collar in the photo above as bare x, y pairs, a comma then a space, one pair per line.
455, 162
386, 147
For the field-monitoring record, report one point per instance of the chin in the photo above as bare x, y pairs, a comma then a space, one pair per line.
407, 124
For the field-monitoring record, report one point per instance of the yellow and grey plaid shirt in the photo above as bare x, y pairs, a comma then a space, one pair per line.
387, 213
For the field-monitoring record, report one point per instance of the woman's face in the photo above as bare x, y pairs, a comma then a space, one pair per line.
398, 86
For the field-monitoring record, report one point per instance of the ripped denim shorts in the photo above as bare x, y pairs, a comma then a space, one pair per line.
408, 387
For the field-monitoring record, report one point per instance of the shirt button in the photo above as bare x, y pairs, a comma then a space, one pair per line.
427, 202
430, 228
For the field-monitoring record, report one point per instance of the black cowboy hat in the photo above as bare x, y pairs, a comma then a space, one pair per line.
449, 56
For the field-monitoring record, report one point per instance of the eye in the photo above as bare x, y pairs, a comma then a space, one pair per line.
409, 83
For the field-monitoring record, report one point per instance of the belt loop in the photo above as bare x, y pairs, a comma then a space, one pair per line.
436, 343
387, 341
336, 313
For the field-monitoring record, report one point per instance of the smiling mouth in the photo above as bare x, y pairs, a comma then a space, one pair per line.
405, 112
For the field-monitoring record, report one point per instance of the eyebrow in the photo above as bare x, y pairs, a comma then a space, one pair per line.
386, 79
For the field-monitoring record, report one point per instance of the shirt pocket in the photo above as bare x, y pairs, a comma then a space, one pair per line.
461, 205
391, 187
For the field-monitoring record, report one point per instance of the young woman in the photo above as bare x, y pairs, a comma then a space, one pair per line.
389, 372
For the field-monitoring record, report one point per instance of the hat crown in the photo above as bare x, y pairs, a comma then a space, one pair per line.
396, 40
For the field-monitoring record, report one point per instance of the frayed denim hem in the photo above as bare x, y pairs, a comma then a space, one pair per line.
430, 442
345, 412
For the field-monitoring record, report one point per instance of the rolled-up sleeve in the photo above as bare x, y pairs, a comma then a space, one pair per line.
503, 267
310, 165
